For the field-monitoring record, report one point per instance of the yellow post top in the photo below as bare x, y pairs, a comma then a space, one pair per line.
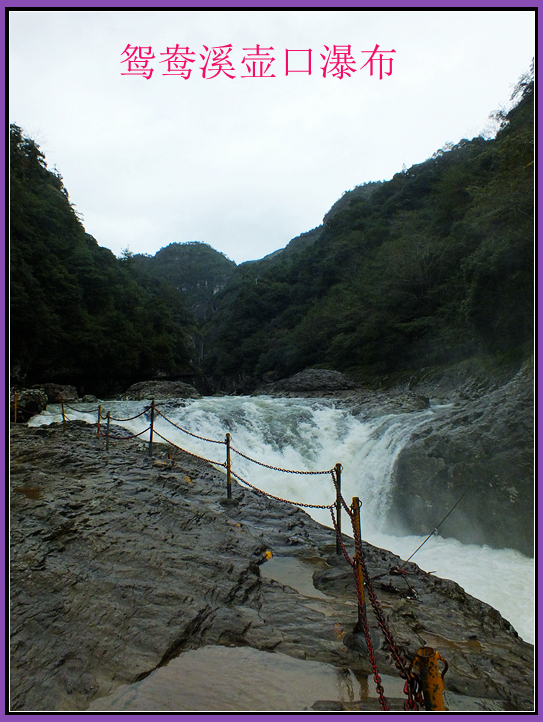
425, 666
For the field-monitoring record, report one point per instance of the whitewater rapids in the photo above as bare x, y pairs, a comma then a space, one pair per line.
314, 435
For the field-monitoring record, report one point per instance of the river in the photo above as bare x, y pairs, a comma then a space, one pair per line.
314, 435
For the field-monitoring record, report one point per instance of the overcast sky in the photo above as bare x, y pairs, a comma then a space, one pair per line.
247, 164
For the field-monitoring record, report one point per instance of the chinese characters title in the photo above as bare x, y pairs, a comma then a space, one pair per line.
257, 62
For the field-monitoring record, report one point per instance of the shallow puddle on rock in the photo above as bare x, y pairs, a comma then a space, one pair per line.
29, 492
227, 679
293, 573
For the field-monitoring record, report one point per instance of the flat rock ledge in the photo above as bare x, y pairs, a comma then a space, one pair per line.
310, 383
160, 390
121, 562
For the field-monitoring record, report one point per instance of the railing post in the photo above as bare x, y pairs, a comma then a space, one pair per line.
63, 415
431, 679
15, 405
355, 507
99, 418
338, 469
151, 427
228, 473
107, 430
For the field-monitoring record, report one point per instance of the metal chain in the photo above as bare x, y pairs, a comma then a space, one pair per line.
30, 413
80, 411
131, 418
277, 468
398, 661
339, 494
202, 438
278, 498
412, 687
338, 536
363, 619
124, 438
195, 456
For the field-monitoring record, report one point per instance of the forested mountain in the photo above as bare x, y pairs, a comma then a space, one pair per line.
78, 315
195, 269
433, 266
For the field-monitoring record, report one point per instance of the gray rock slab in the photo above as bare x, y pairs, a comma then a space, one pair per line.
121, 563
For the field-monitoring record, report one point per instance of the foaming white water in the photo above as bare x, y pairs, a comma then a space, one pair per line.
309, 435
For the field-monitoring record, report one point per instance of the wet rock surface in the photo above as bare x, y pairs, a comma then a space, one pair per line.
483, 449
57, 393
26, 403
479, 446
121, 562
161, 390
311, 382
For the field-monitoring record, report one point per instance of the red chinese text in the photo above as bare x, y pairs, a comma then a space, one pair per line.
216, 62
373, 59
297, 63
258, 62
177, 59
338, 62
138, 59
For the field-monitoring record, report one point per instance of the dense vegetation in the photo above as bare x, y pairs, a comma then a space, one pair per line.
195, 269
433, 266
78, 315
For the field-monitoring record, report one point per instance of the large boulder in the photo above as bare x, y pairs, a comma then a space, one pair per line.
58, 393
483, 449
29, 403
311, 382
161, 390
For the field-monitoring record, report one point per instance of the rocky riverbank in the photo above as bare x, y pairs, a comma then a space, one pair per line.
479, 447
121, 563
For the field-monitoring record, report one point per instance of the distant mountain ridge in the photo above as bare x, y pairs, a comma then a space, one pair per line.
432, 267
195, 269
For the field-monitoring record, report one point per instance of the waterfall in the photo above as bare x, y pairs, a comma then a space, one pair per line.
315, 435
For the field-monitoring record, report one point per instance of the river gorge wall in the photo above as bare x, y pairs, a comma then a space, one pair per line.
482, 452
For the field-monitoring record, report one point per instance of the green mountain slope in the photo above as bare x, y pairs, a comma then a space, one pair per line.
78, 315
195, 269
433, 266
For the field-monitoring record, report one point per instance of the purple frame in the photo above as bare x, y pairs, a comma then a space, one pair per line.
241, 4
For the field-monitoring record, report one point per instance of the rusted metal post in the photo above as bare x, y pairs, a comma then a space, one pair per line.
63, 415
431, 679
107, 430
338, 469
228, 471
99, 419
151, 427
15, 405
355, 508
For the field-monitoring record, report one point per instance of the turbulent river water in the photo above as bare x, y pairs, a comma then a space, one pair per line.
314, 435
